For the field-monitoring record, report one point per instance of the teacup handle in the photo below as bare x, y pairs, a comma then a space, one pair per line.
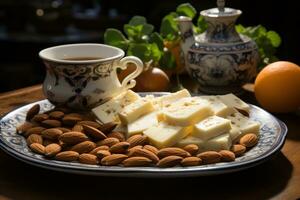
128, 81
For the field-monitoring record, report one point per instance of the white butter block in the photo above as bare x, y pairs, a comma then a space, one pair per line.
190, 140
135, 110
233, 101
244, 124
187, 111
221, 142
168, 99
220, 109
108, 111
211, 127
165, 135
141, 124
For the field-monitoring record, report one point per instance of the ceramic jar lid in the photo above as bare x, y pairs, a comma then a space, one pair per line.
221, 11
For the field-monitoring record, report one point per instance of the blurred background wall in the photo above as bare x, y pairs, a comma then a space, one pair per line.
26, 27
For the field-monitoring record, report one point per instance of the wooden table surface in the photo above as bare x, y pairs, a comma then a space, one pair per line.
278, 178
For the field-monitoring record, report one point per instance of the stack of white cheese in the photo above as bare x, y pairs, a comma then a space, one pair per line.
177, 119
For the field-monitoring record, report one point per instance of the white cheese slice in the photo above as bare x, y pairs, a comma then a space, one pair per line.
221, 142
165, 135
108, 111
135, 110
168, 99
187, 111
190, 140
219, 108
235, 133
142, 123
244, 124
211, 127
234, 102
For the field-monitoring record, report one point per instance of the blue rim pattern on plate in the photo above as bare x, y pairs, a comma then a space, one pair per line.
272, 137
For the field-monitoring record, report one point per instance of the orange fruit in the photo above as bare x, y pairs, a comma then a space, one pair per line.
277, 87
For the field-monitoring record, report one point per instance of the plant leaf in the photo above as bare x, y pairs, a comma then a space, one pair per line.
141, 51
115, 38
201, 23
137, 20
158, 40
167, 60
147, 29
156, 53
169, 27
186, 9
274, 38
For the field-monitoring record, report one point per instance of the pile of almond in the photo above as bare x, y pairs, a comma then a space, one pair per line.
67, 136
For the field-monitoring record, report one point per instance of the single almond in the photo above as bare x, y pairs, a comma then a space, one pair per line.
113, 159
34, 130
78, 128
227, 156
73, 137
47, 142
71, 119
238, 149
151, 148
102, 153
56, 114
249, 140
51, 123
67, 156
84, 147
209, 157
32, 111
40, 117
145, 153
52, 149
191, 161
90, 159
172, 151
93, 132
169, 161
137, 161
90, 123
51, 133
120, 147
137, 140
114, 134
108, 142
191, 148
24, 127
131, 150
107, 127
94, 151
37, 148
34, 138
64, 129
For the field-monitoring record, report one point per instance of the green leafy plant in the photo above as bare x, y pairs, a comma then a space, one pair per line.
140, 41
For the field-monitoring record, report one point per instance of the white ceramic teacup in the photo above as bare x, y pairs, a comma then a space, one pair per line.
84, 75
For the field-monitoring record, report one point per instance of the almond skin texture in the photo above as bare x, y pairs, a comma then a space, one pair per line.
249, 140
51, 133
191, 148
37, 148
107, 127
151, 148
34, 130
56, 114
145, 153
71, 119
191, 161
46, 142
90, 159
172, 151
137, 140
51, 123
90, 123
113, 159
209, 157
169, 161
32, 111
40, 117
73, 137
24, 127
120, 147
77, 128
52, 149
34, 138
227, 156
238, 149
67, 156
138, 161
118, 135
102, 153
64, 130
84, 147
108, 142
93, 132
132, 150
94, 151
